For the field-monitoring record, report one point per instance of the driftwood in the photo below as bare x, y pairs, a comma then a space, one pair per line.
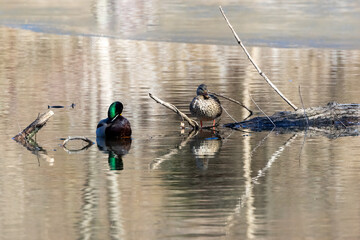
33, 128
192, 122
25, 137
334, 114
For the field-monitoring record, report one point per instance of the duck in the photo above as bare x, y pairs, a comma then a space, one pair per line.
115, 125
205, 106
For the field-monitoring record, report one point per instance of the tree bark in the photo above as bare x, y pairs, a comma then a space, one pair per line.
334, 114
34, 127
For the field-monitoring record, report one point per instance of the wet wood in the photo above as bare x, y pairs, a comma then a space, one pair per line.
170, 106
334, 114
33, 128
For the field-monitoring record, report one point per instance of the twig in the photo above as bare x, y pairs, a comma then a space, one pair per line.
89, 142
254, 64
302, 104
262, 111
234, 101
335, 116
192, 123
307, 124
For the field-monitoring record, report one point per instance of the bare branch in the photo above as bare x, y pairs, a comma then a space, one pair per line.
254, 64
192, 122
302, 104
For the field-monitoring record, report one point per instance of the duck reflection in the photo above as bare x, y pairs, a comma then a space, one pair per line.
204, 146
116, 149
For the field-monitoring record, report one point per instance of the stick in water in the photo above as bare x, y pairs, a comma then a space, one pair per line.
85, 139
254, 64
192, 123
34, 127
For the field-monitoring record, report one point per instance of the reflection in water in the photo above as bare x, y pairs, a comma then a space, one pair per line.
116, 150
246, 199
126, 18
115, 161
273, 23
91, 197
205, 145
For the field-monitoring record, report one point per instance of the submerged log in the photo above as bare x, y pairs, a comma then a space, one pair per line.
334, 114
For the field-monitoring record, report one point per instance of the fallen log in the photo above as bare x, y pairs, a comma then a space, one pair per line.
334, 114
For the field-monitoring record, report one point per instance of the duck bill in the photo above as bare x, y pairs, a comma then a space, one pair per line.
206, 95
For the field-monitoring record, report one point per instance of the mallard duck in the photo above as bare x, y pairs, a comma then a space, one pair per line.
115, 126
204, 106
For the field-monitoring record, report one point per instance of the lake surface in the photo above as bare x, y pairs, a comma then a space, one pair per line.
172, 185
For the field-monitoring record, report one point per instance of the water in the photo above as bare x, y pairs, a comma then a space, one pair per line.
242, 185
300, 23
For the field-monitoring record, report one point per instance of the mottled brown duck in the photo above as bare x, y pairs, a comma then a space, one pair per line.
204, 106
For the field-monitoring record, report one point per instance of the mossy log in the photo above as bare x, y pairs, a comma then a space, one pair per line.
333, 114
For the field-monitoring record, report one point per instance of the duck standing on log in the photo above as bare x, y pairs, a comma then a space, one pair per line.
115, 126
204, 106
